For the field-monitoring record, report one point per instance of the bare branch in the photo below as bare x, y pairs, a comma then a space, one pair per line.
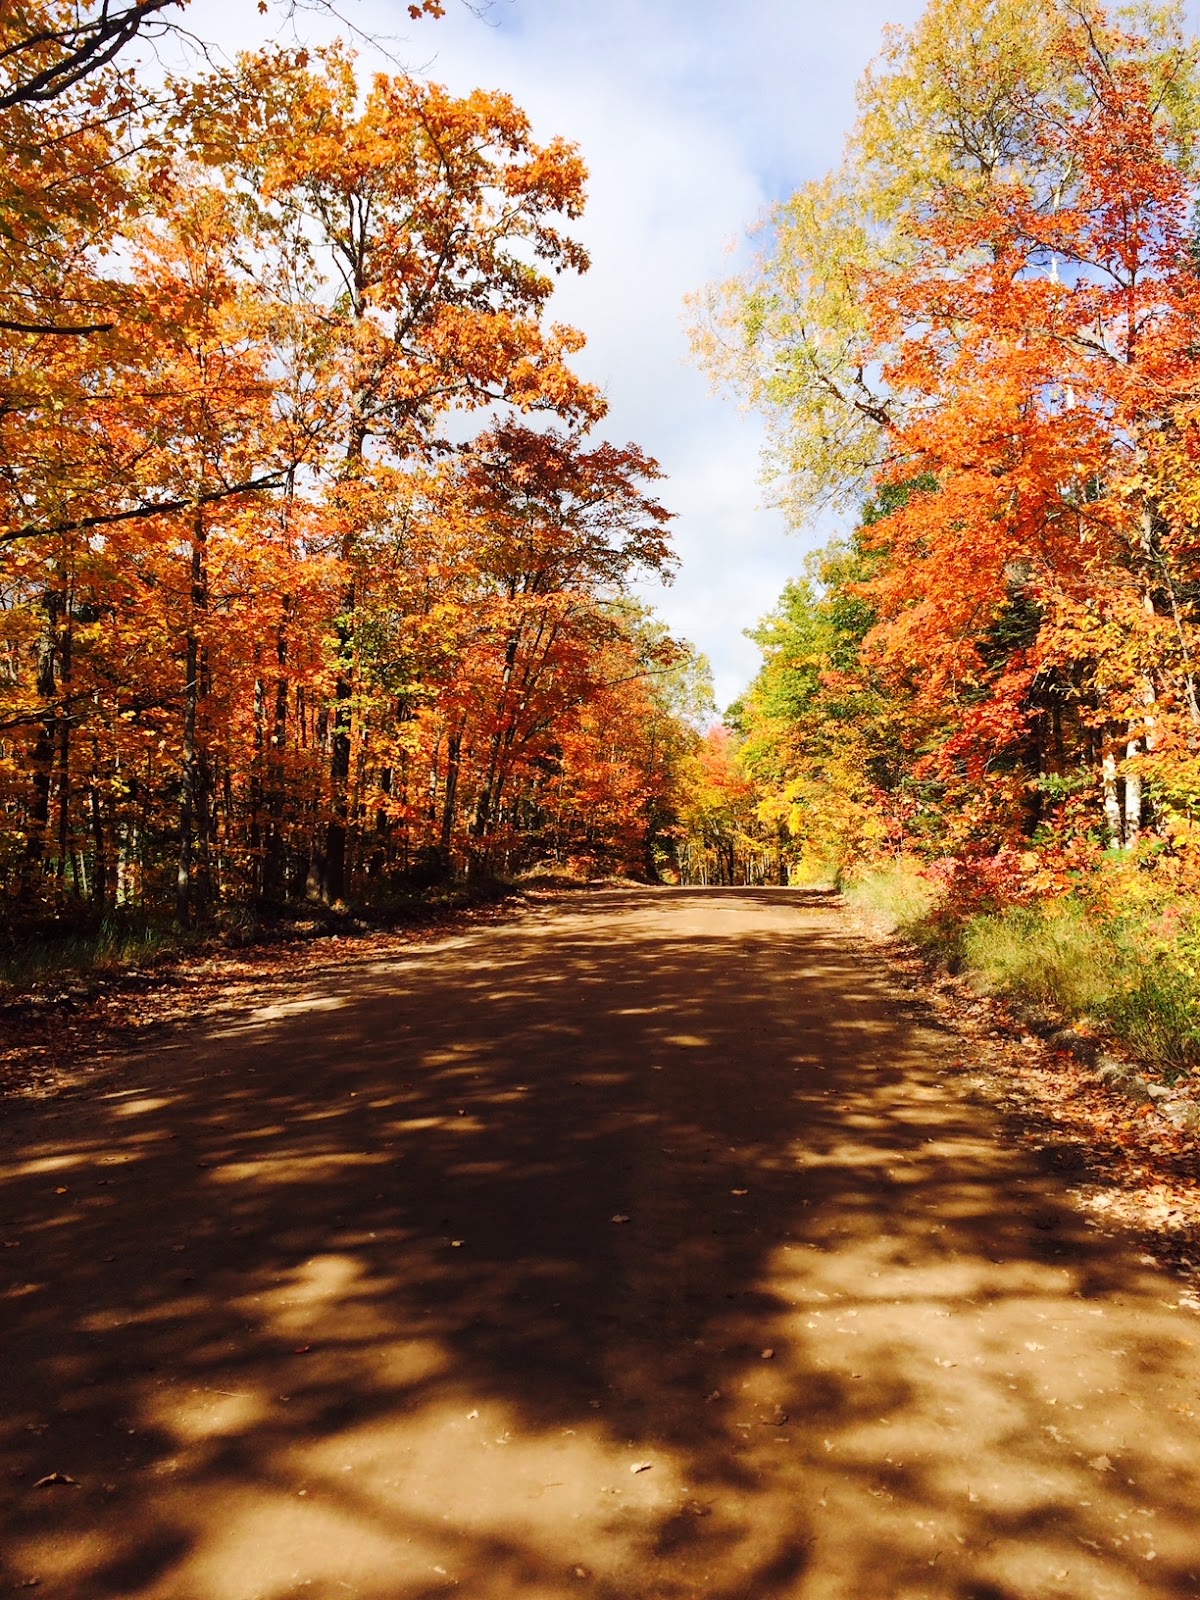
58, 330
83, 49
155, 508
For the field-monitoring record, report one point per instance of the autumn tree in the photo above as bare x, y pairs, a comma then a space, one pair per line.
423, 230
721, 838
1047, 340
1004, 320
558, 528
950, 110
271, 621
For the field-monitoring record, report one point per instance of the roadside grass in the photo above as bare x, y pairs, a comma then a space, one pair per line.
47, 957
30, 960
1127, 970
896, 898
1057, 957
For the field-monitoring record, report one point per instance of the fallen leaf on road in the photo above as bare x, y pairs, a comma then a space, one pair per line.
53, 1478
768, 1353
641, 1466
619, 1218
1101, 1464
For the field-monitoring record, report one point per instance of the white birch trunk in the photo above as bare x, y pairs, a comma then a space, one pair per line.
1112, 801
1150, 700
1133, 800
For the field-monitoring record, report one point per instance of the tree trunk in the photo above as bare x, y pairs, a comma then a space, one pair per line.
488, 795
333, 866
99, 846
63, 761
1112, 801
450, 792
1133, 800
272, 872
37, 834
191, 882
337, 834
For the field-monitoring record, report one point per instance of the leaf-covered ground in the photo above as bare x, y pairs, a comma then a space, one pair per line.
1128, 1167
59, 1033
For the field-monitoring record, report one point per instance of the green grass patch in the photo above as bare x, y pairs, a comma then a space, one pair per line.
53, 957
1131, 973
1115, 971
1059, 956
896, 898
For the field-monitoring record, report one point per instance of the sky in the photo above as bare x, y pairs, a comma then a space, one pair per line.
693, 116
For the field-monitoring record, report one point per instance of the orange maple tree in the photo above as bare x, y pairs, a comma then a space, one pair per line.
1042, 336
271, 627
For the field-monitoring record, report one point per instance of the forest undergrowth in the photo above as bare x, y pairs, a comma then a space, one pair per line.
1039, 998
1116, 956
51, 959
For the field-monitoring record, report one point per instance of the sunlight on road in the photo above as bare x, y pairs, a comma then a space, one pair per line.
706, 1285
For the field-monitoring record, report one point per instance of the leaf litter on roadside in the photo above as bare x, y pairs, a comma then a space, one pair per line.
1136, 1170
65, 1029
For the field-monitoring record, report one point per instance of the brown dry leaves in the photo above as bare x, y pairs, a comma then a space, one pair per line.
1136, 1171
56, 1038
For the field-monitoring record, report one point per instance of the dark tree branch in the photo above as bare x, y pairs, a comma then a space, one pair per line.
156, 508
58, 330
82, 50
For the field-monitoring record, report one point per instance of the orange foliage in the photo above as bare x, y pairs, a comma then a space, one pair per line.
269, 625
1033, 570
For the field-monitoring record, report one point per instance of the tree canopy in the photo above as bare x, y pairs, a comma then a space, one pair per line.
315, 564
982, 325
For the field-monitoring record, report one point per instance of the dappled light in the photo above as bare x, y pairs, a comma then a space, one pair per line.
637, 1247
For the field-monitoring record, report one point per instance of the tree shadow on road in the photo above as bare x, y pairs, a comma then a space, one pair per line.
636, 1248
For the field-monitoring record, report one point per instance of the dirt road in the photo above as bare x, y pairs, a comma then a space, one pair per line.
635, 1248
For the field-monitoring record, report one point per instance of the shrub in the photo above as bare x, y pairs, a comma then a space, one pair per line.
1122, 950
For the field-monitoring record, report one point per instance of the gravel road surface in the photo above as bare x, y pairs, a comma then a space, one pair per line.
638, 1248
